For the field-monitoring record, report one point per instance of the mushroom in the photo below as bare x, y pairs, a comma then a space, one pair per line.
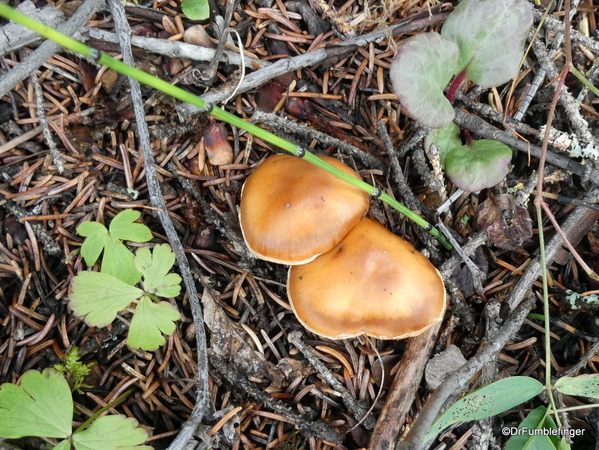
292, 211
372, 282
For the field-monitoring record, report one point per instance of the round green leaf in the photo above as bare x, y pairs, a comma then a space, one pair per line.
149, 322
491, 35
98, 297
196, 9
112, 433
445, 139
480, 165
420, 71
42, 406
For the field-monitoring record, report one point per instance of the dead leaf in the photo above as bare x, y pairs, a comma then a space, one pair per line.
508, 224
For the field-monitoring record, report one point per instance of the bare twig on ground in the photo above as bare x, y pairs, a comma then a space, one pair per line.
49, 243
48, 48
457, 381
310, 428
14, 36
403, 390
177, 49
312, 58
41, 117
483, 129
202, 407
352, 403
291, 126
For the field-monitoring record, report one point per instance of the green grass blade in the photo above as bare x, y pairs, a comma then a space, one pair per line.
174, 91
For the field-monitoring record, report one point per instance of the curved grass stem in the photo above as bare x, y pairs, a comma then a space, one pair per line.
174, 91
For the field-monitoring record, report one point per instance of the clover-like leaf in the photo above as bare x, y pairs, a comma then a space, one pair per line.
196, 9
149, 322
118, 262
112, 433
491, 35
117, 259
480, 165
445, 139
584, 385
98, 297
123, 227
42, 406
420, 71
154, 267
488, 401
96, 235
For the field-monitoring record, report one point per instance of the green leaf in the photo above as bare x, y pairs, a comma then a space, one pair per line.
118, 262
536, 419
583, 385
480, 165
491, 35
539, 443
420, 71
149, 321
123, 227
112, 433
98, 297
96, 234
488, 401
445, 139
196, 9
42, 406
63, 445
155, 267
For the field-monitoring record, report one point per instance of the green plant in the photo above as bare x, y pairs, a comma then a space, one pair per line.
505, 394
43, 407
74, 370
483, 41
143, 77
98, 297
117, 260
196, 9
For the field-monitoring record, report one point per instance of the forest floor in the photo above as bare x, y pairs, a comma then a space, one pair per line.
83, 161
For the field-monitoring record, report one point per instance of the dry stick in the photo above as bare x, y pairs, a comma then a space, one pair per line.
202, 407
293, 127
458, 380
561, 94
566, 99
540, 75
403, 390
353, 404
175, 49
51, 247
210, 74
311, 428
312, 58
48, 48
481, 128
14, 36
41, 117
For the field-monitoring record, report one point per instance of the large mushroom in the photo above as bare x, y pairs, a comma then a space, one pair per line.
372, 283
292, 211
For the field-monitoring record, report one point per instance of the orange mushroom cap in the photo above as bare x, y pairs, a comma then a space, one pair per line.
372, 282
292, 211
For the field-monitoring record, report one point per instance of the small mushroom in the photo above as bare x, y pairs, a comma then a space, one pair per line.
292, 211
372, 282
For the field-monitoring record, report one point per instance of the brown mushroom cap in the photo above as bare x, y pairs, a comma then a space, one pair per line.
373, 282
292, 211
